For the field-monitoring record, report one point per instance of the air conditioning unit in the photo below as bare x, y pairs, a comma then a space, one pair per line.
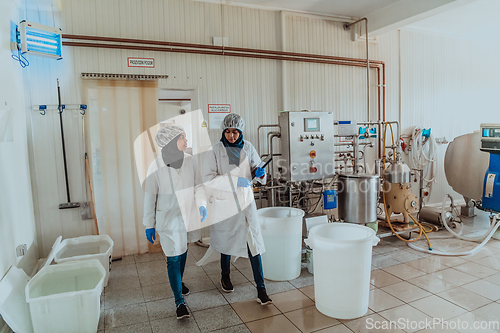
41, 40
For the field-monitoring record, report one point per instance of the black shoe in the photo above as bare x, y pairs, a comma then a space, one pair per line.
182, 312
226, 284
262, 297
185, 290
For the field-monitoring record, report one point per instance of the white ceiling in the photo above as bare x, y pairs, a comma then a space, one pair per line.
349, 8
479, 20
475, 19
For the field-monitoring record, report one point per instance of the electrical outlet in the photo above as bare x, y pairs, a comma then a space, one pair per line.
21, 250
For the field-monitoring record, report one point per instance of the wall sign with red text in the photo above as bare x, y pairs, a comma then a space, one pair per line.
216, 114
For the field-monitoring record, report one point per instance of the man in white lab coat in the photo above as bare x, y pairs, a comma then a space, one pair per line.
174, 199
234, 223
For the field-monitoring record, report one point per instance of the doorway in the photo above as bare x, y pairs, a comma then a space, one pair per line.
173, 103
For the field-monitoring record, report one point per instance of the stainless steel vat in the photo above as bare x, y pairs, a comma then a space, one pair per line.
397, 173
465, 165
357, 197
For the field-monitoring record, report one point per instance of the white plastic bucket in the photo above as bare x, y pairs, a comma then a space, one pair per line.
87, 247
282, 233
342, 267
66, 297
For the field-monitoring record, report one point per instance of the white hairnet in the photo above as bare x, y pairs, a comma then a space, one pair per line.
166, 134
233, 120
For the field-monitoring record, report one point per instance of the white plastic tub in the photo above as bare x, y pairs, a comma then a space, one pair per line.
87, 247
342, 267
66, 297
282, 233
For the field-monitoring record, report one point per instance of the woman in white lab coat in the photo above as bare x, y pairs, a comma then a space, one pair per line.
234, 224
174, 199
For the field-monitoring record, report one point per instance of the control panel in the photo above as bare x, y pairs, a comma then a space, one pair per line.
306, 145
490, 138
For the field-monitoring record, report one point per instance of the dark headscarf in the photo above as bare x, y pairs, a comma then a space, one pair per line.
233, 149
171, 155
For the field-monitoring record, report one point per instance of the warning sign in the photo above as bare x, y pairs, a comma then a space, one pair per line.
204, 124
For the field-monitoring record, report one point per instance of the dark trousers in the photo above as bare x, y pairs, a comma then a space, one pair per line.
255, 261
175, 270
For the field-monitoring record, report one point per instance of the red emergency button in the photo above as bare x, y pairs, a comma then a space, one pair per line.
312, 153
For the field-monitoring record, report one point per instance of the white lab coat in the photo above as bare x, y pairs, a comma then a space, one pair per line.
171, 204
232, 213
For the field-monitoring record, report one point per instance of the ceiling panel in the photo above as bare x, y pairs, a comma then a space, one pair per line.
350, 8
477, 20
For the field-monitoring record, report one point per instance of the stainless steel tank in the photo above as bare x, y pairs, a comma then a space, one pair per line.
397, 173
465, 165
357, 197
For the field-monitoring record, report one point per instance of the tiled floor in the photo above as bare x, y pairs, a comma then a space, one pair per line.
407, 286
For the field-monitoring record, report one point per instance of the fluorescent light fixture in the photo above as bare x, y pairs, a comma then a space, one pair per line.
40, 40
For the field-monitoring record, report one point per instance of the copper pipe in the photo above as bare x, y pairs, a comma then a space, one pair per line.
137, 47
213, 47
218, 50
379, 81
232, 54
383, 89
139, 41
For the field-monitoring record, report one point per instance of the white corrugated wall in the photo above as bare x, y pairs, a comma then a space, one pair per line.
447, 84
441, 82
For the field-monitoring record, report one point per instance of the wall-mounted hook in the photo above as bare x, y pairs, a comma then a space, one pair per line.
42, 109
83, 107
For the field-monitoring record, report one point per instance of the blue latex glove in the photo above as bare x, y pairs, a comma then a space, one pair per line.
260, 172
203, 213
150, 235
243, 182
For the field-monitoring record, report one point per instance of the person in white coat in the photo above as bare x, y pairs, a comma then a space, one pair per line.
174, 199
234, 224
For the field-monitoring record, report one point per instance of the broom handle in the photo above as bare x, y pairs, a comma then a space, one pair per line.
91, 195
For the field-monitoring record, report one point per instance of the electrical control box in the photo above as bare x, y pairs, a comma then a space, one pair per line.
490, 142
307, 147
490, 138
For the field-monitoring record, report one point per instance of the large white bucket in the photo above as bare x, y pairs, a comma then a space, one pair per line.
66, 297
342, 266
87, 247
282, 232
